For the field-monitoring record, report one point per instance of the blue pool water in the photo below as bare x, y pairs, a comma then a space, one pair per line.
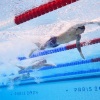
74, 89
71, 77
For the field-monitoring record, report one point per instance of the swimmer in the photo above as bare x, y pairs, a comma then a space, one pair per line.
36, 64
73, 33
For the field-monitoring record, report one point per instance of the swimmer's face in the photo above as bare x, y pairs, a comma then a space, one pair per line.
80, 30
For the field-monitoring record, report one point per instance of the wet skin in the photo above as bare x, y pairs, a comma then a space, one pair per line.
71, 34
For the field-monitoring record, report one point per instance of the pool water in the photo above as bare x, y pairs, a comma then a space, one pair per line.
72, 78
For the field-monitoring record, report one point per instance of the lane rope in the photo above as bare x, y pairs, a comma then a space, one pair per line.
60, 49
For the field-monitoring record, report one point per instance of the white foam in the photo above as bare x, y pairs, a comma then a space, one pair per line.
7, 24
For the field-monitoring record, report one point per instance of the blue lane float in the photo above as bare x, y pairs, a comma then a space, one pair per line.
61, 74
45, 52
79, 62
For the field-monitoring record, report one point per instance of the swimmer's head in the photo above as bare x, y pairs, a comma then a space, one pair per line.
80, 29
44, 61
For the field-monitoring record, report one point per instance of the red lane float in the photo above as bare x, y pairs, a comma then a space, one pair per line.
94, 41
35, 12
41, 10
